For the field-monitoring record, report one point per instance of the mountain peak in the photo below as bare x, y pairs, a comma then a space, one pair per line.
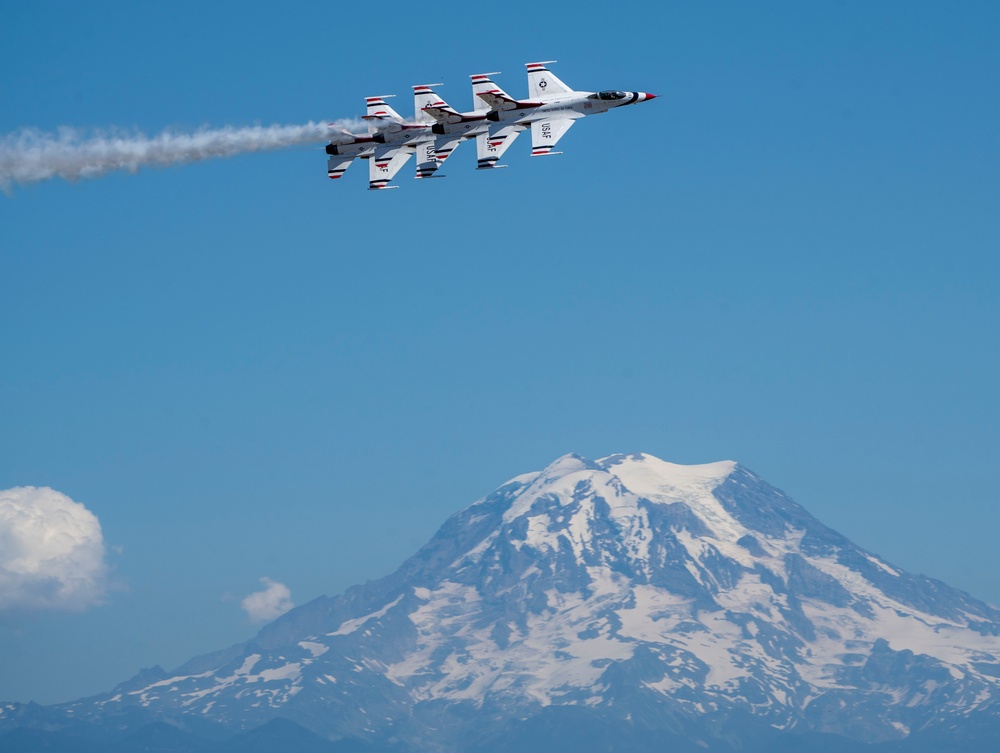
658, 476
571, 462
621, 480
630, 587
668, 483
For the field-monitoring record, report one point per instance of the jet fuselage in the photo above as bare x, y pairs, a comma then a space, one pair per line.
578, 103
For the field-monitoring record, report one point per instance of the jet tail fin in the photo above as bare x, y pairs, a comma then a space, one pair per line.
483, 84
380, 113
424, 96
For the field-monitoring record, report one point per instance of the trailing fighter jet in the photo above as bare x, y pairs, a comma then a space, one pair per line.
344, 148
550, 112
390, 142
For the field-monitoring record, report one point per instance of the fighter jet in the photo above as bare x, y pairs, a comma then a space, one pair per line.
550, 112
448, 126
344, 148
390, 142
396, 141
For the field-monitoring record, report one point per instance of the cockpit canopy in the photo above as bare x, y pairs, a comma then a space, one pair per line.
609, 94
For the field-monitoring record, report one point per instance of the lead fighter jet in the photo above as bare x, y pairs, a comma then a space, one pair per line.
552, 109
496, 120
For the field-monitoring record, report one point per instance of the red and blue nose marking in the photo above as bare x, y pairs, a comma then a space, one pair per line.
636, 97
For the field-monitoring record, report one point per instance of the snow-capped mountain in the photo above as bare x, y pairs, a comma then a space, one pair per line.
660, 599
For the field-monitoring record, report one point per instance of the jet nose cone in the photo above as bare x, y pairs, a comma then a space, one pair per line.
647, 95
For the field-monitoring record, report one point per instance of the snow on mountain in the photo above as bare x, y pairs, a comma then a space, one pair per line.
678, 597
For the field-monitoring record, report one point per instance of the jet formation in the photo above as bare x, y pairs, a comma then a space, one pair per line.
495, 121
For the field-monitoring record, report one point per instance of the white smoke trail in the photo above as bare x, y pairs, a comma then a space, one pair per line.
29, 155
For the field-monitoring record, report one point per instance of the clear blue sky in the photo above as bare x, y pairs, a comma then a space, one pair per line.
244, 369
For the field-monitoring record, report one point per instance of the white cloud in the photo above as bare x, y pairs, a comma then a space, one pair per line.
51, 552
270, 603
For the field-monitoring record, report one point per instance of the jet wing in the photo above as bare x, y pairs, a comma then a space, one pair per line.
498, 100
385, 163
432, 154
337, 165
427, 159
445, 145
545, 134
492, 145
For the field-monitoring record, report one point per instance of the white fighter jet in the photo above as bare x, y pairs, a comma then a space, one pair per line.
448, 126
550, 112
390, 142
395, 141
495, 122
344, 148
